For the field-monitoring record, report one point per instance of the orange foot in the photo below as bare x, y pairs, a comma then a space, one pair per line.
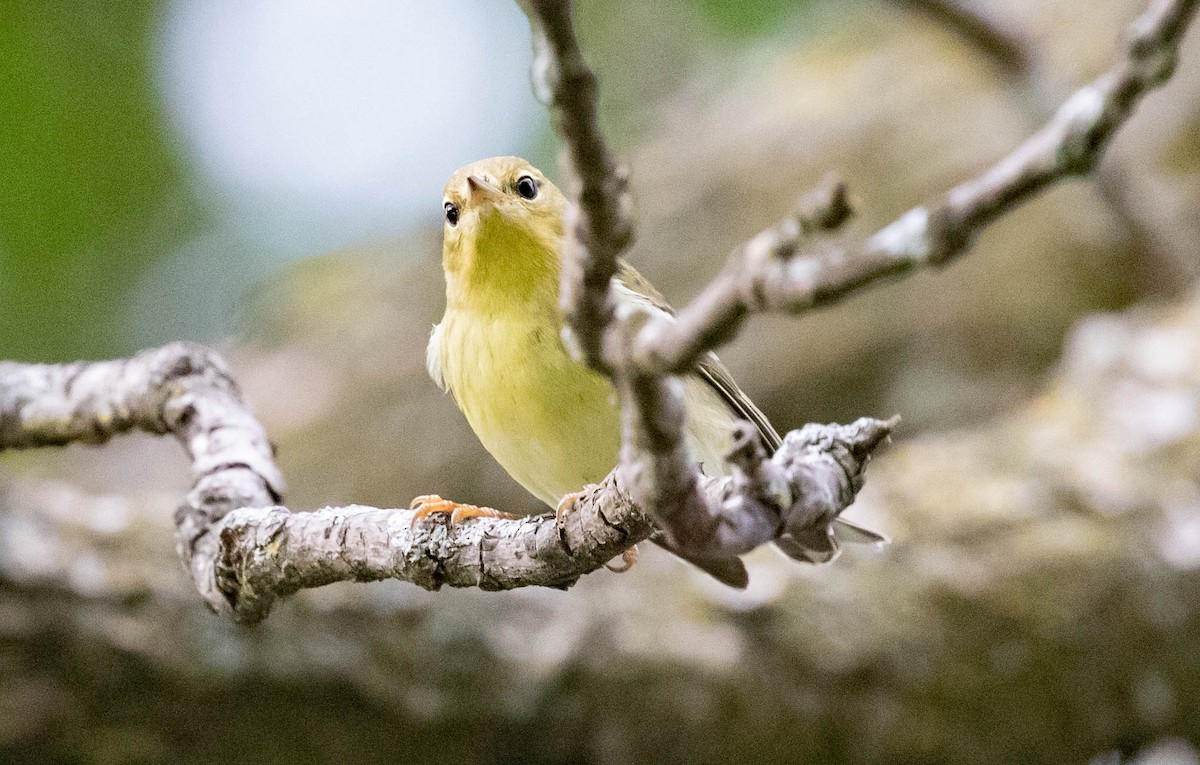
628, 558
431, 504
566, 506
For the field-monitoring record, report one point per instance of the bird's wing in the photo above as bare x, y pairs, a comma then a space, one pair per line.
715, 374
433, 356
632, 285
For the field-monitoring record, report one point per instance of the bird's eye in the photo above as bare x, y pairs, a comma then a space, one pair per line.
451, 213
527, 187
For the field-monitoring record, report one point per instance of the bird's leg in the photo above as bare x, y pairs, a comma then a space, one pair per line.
431, 504
628, 558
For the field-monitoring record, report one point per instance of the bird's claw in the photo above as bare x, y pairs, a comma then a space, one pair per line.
431, 504
566, 506
628, 558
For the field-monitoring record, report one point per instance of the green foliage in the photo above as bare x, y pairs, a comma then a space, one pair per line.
91, 193
736, 18
94, 194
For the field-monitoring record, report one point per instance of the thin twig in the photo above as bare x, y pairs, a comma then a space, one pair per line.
763, 275
601, 228
1007, 50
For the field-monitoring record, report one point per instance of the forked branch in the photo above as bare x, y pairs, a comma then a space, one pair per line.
787, 269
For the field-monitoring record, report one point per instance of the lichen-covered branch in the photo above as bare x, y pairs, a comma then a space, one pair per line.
273, 553
769, 273
600, 225
244, 552
180, 389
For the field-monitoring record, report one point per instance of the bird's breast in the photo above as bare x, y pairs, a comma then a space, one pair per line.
552, 423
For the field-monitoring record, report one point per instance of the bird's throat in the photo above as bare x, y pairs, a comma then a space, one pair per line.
505, 267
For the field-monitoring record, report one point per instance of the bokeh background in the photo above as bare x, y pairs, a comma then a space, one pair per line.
265, 176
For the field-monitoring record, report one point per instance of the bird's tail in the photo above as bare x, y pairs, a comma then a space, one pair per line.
815, 545
729, 571
823, 544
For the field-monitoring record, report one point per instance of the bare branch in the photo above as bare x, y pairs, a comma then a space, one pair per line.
757, 277
180, 389
272, 553
763, 274
766, 274
655, 460
269, 554
1007, 50
601, 228
1124, 184
244, 552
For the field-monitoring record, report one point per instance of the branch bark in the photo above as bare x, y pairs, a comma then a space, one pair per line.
244, 551
601, 226
180, 389
764, 273
641, 353
1124, 183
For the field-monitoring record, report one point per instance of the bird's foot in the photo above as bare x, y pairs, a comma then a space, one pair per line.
566, 506
431, 504
628, 558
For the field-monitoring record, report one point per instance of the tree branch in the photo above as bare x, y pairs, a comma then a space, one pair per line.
655, 465
1134, 199
600, 224
766, 274
763, 274
181, 389
1007, 50
244, 552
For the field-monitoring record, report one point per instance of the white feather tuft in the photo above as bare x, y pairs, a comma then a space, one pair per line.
433, 357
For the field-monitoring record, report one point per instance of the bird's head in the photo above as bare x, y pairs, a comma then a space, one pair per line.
503, 231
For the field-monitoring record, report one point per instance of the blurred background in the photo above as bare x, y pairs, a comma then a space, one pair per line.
265, 176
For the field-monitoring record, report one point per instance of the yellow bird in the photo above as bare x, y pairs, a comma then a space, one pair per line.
549, 420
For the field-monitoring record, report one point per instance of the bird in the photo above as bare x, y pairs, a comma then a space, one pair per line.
552, 422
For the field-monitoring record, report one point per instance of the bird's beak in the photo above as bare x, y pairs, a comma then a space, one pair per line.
480, 191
